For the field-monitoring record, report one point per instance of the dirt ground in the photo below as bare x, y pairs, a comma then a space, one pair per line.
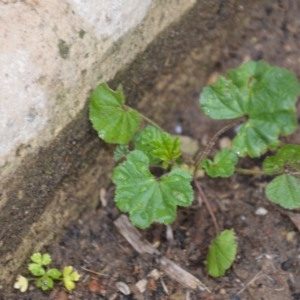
267, 266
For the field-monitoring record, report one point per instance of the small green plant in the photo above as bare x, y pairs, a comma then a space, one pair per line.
258, 99
45, 276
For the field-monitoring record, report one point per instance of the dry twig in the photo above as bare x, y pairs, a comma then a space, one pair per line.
132, 235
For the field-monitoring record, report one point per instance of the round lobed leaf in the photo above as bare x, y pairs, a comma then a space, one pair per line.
284, 190
149, 199
114, 122
265, 95
286, 159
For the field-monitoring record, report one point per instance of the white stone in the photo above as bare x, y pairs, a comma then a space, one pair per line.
261, 211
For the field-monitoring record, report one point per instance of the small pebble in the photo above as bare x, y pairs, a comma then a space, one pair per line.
225, 142
261, 211
243, 218
178, 129
141, 285
123, 288
290, 236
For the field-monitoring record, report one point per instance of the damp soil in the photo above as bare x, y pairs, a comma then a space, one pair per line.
267, 265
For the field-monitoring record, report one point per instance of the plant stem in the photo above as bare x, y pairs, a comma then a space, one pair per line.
202, 195
249, 172
151, 122
213, 140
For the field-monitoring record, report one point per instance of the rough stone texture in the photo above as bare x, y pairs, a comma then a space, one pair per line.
62, 173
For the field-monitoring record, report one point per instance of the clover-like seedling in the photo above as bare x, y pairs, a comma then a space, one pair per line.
45, 276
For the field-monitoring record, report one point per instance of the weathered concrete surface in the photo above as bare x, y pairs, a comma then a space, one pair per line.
61, 175
53, 52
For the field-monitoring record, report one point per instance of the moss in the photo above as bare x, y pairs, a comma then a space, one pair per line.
63, 49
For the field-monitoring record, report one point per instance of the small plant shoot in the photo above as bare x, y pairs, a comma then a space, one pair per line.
223, 164
45, 276
258, 98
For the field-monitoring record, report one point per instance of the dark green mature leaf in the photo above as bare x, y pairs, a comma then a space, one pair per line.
223, 164
286, 159
114, 122
221, 253
157, 145
149, 199
284, 190
266, 95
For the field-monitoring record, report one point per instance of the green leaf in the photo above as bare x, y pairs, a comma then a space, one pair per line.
221, 253
286, 159
114, 122
69, 277
46, 259
265, 95
36, 269
45, 283
284, 190
42, 260
157, 145
143, 142
120, 152
54, 273
223, 164
149, 199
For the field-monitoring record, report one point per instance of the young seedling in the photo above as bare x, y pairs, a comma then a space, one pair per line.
257, 97
45, 276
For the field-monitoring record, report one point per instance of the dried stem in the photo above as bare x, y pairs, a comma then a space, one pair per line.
202, 195
213, 140
249, 171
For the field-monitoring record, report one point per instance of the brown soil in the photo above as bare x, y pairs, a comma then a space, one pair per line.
268, 252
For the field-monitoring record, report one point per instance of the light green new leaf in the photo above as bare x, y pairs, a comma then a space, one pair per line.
264, 94
285, 191
69, 277
36, 269
223, 164
221, 253
54, 273
43, 260
114, 122
149, 199
158, 145
287, 158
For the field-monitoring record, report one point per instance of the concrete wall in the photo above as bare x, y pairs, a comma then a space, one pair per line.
52, 53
